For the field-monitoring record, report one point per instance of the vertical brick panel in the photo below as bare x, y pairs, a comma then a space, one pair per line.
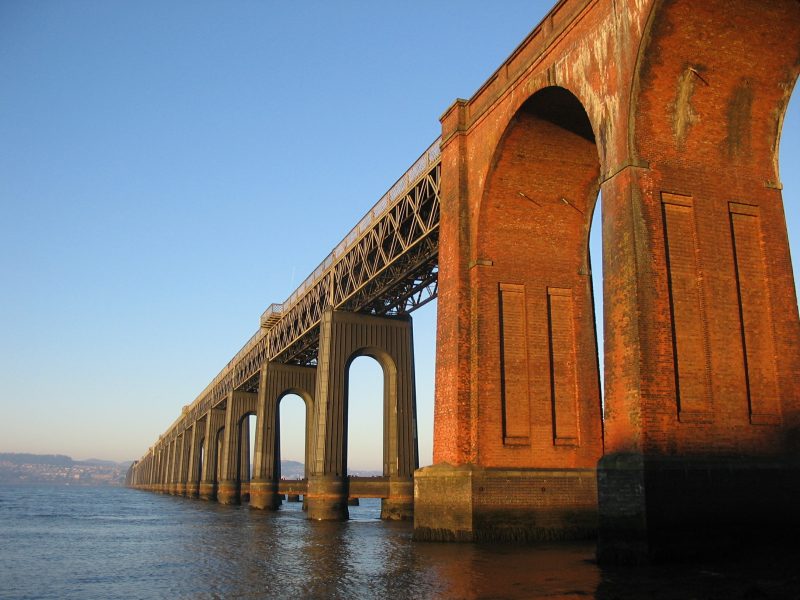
690, 346
514, 365
756, 317
564, 383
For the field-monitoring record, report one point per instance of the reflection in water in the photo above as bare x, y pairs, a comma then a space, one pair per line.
119, 543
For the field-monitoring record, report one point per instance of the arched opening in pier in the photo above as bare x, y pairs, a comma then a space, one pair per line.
247, 432
201, 458
292, 446
789, 157
424, 377
595, 262
366, 443
219, 447
365, 417
537, 355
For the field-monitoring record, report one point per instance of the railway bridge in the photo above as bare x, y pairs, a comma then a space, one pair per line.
671, 110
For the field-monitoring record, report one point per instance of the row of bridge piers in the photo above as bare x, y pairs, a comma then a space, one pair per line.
209, 458
663, 120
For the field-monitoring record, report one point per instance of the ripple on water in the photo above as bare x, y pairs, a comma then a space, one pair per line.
78, 543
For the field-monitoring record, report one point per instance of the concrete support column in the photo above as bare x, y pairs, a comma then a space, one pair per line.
183, 460
174, 459
244, 459
151, 470
157, 467
238, 405
154, 469
163, 483
275, 382
197, 432
215, 423
344, 336
169, 488
176, 465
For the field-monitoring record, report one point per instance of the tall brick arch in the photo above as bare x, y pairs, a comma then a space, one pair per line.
536, 348
702, 341
719, 331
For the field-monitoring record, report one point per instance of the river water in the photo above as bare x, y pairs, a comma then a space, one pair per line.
80, 542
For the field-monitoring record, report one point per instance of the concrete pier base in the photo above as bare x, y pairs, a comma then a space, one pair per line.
228, 492
293, 497
207, 490
192, 489
468, 503
666, 508
327, 498
180, 489
264, 495
399, 506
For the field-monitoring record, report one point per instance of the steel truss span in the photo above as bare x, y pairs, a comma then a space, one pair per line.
386, 265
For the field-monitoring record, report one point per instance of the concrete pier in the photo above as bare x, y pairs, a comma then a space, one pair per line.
343, 337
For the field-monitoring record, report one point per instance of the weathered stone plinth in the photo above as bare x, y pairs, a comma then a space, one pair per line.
653, 509
399, 506
207, 490
327, 498
228, 492
264, 494
469, 503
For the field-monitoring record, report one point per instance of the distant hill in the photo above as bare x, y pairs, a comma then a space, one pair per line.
104, 463
58, 460
25, 468
292, 469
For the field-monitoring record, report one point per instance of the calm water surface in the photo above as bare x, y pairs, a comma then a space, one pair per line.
77, 542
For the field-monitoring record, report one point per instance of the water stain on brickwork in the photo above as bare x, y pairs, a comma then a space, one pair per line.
683, 116
740, 115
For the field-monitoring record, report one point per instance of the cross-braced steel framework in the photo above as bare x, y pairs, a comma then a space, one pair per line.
386, 265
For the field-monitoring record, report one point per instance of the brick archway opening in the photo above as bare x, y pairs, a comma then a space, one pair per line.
538, 375
788, 158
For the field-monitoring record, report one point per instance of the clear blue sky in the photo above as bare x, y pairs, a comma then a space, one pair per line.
167, 170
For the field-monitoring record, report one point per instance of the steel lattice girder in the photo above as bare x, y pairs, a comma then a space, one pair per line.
390, 269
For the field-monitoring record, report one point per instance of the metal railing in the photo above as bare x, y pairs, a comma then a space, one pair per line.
422, 165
